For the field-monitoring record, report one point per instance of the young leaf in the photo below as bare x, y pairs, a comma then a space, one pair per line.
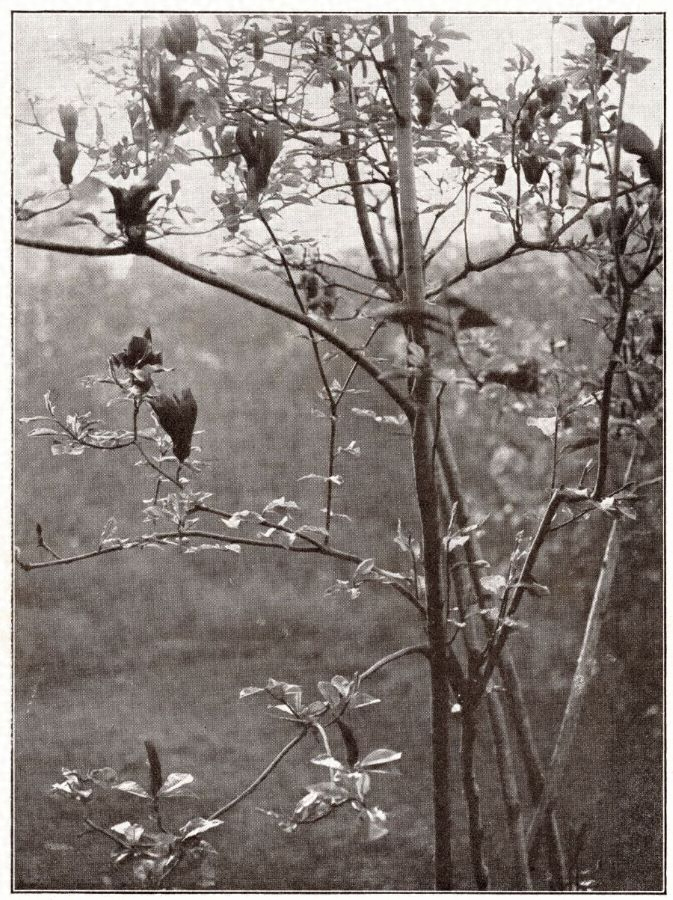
364, 568
131, 787
198, 826
379, 758
175, 783
250, 691
546, 424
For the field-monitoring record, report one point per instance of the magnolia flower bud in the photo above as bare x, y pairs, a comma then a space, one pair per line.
177, 416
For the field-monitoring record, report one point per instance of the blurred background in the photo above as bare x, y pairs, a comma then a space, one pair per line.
154, 645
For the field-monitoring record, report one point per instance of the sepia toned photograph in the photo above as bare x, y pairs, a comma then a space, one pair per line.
338, 426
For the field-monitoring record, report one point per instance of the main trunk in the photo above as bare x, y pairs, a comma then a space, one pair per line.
426, 489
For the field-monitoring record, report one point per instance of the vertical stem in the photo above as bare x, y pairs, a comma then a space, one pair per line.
584, 672
422, 453
510, 793
506, 666
357, 191
330, 468
532, 763
472, 799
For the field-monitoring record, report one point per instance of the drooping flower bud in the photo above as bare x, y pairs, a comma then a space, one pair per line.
177, 416
425, 95
533, 167
472, 121
66, 151
637, 143
168, 107
462, 83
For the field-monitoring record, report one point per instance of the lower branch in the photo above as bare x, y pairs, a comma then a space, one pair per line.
261, 777
510, 793
471, 791
584, 672
517, 705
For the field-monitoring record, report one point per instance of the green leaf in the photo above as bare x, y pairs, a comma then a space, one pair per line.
130, 833
364, 568
329, 692
38, 432
379, 758
250, 691
175, 784
360, 699
131, 787
198, 826
546, 424
329, 761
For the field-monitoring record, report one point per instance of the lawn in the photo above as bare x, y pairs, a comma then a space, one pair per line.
155, 645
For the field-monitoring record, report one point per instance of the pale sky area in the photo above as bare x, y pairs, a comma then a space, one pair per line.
41, 38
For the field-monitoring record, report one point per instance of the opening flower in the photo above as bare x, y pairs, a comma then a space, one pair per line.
139, 353
603, 30
179, 36
132, 207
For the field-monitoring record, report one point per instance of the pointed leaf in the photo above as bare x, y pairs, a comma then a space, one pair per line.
131, 787
198, 826
379, 758
175, 783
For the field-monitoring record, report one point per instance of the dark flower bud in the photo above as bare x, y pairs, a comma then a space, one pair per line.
617, 226
245, 140
69, 119
568, 164
257, 44
426, 99
472, 124
433, 78
260, 150
499, 174
177, 416
180, 35
132, 207
168, 108
526, 128
636, 142
533, 167
551, 93
532, 107
66, 152
310, 283
587, 127
462, 84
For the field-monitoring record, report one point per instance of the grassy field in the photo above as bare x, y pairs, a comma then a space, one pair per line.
151, 645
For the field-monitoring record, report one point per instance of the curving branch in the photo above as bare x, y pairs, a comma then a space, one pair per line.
197, 273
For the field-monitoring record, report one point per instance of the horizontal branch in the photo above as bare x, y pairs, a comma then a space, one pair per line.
74, 249
197, 273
